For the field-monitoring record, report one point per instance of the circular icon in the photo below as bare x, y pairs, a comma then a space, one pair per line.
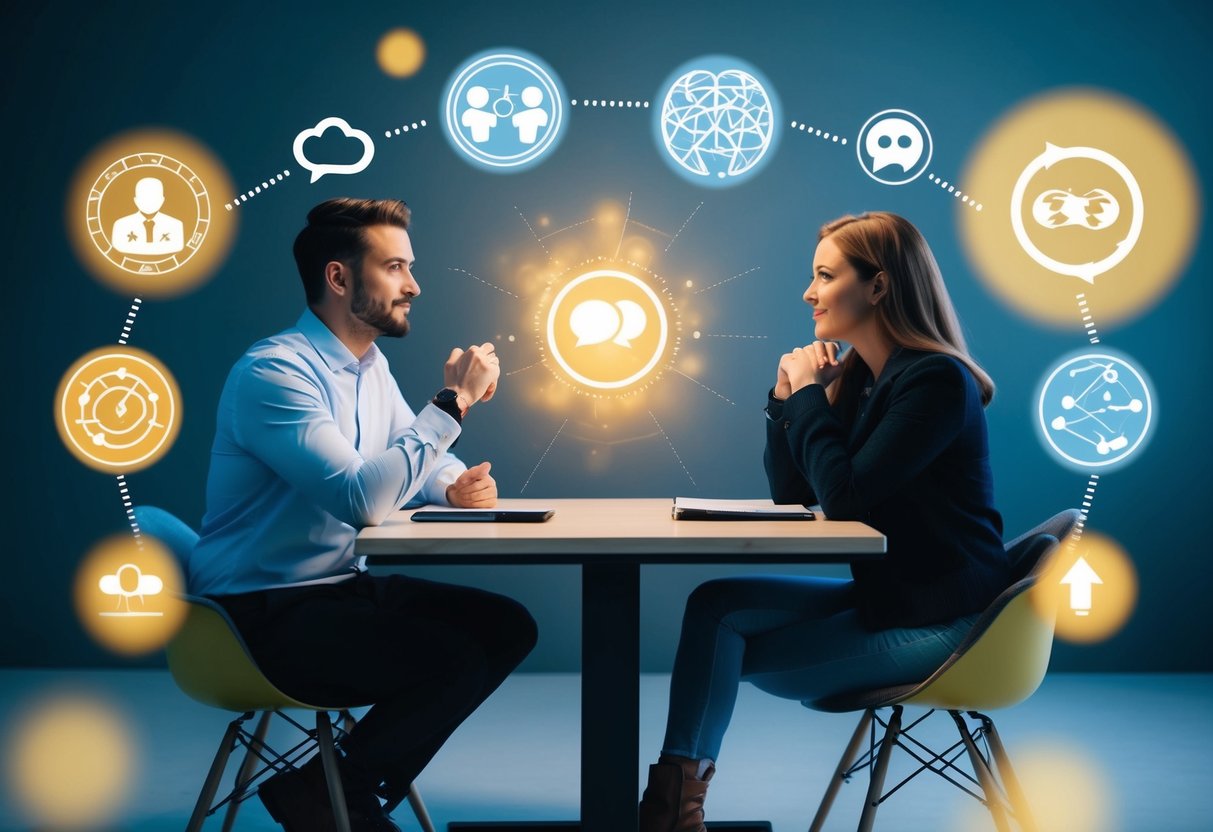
128, 594
504, 110
607, 330
1072, 167
1094, 410
717, 121
118, 409
1089, 590
894, 147
145, 213
1094, 210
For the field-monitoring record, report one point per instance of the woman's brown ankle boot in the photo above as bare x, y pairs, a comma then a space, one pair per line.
673, 799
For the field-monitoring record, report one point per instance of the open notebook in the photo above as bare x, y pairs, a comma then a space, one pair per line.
691, 508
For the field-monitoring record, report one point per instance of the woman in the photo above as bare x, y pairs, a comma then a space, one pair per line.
891, 433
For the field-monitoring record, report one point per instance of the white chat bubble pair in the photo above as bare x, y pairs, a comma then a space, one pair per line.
596, 321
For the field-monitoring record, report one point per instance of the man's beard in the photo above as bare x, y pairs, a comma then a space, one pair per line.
379, 318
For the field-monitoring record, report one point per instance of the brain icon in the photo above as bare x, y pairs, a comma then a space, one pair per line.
717, 125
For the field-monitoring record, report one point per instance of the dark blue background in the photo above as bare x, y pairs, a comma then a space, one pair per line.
245, 78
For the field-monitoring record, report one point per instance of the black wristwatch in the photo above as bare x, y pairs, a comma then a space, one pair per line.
447, 400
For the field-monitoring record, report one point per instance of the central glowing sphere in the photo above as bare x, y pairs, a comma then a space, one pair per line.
607, 329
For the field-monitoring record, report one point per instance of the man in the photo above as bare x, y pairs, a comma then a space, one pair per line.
148, 230
314, 441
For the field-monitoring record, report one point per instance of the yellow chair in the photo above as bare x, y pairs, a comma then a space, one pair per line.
210, 662
1000, 663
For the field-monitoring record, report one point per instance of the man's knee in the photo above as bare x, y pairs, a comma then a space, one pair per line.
711, 599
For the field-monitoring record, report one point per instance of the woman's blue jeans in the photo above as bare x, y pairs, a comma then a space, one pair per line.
794, 637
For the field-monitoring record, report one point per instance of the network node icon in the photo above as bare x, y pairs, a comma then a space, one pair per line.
504, 110
1095, 410
717, 121
118, 409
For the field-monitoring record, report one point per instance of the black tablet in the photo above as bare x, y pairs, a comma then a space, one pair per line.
477, 515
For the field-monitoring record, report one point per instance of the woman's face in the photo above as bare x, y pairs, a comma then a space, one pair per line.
841, 301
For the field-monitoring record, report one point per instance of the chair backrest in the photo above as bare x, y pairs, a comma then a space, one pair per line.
1003, 659
207, 658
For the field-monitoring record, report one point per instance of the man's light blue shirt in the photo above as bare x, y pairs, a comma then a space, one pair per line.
311, 444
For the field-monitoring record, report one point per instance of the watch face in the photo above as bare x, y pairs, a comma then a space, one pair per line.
445, 395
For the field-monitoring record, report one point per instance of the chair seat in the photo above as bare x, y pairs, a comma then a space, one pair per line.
861, 700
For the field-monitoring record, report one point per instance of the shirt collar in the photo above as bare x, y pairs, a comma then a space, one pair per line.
336, 355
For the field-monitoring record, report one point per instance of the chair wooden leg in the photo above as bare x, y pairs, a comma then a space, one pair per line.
418, 807
840, 774
203, 806
328, 757
246, 770
1019, 802
881, 767
984, 775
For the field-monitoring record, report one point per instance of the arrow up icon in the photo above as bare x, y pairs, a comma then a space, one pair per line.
1080, 578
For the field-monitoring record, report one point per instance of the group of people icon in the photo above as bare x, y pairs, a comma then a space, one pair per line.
481, 117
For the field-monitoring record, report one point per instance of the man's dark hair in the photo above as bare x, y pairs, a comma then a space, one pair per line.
336, 231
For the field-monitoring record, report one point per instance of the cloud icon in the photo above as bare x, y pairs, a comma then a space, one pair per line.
135, 583
319, 170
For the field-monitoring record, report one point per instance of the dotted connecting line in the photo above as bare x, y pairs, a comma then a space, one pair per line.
721, 283
715, 335
524, 369
684, 225
954, 191
130, 321
545, 455
531, 228
1088, 498
624, 229
1087, 323
404, 128
704, 386
824, 134
672, 448
264, 186
485, 282
566, 228
606, 102
124, 493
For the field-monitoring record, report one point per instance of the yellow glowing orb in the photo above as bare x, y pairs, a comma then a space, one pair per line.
1091, 587
70, 762
127, 594
1083, 191
400, 53
118, 409
146, 213
607, 329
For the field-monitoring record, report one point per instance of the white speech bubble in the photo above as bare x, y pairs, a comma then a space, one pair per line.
368, 148
894, 129
594, 321
634, 321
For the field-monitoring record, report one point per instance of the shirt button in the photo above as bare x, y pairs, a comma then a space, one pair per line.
787, 425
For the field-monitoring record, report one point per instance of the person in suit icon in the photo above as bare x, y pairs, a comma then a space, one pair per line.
148, 231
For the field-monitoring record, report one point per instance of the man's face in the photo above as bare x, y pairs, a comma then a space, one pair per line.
383, 283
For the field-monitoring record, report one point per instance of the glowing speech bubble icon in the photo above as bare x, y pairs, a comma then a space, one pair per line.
319, 170
596, 321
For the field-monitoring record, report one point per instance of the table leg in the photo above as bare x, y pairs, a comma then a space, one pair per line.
610, 696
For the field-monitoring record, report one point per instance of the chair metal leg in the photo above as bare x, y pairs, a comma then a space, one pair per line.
881, 767
993, 799
328, 757
840, 774
246, 770
1019, 802
211, 785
